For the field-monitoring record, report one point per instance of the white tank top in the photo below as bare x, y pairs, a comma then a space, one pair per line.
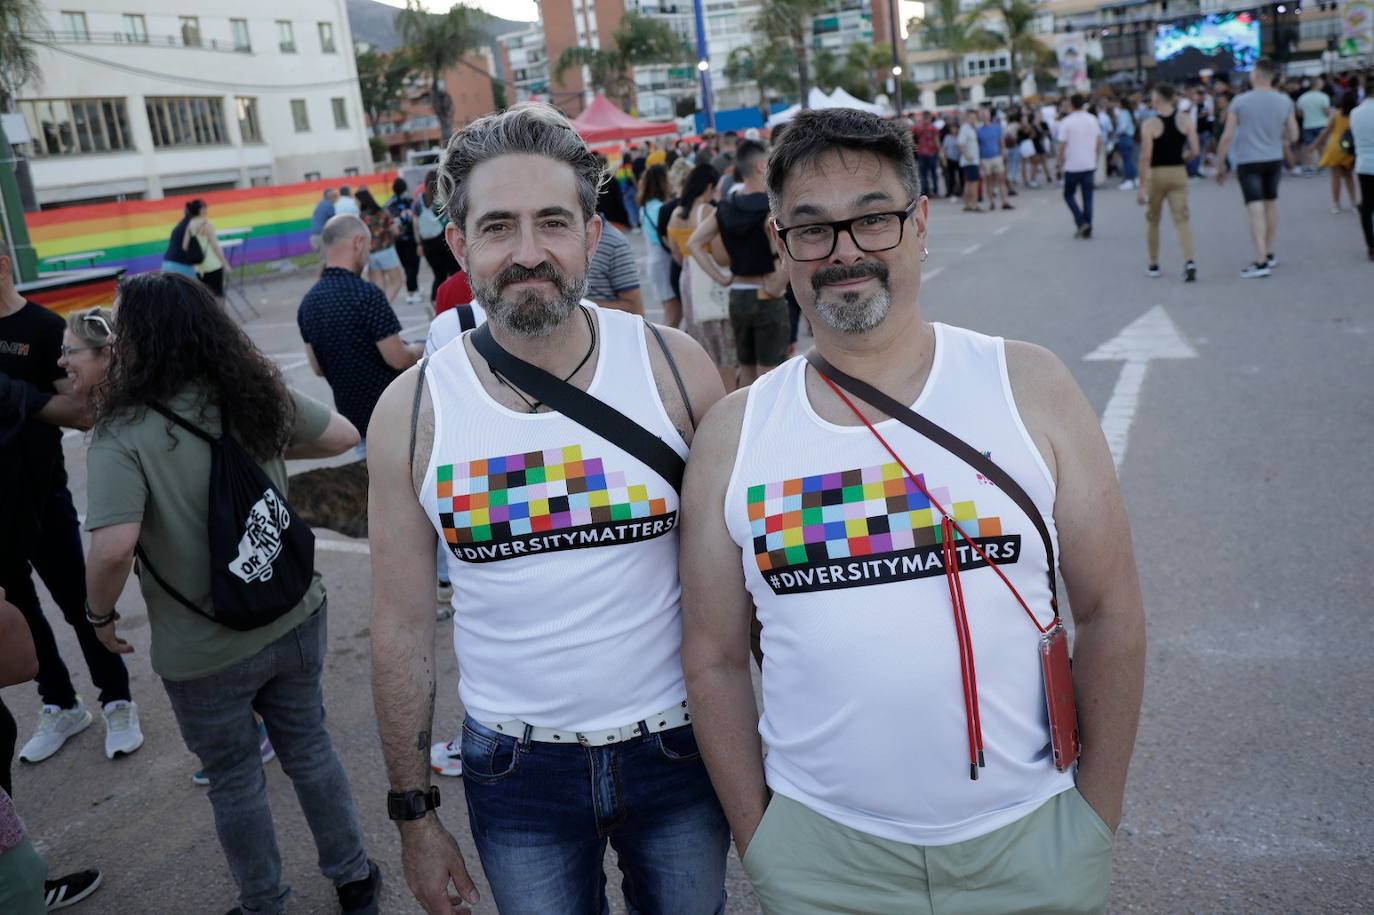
863, 709
566, 603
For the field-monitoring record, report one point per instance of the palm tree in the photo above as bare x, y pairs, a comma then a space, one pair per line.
769, 67
789, 21
20, 20
436, 43
1021, 43
958, 33
637, 41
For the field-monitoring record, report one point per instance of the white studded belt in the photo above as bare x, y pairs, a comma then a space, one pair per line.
670, 718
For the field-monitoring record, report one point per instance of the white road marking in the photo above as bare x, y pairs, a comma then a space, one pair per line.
1002, 230
292, 366
931, 274
1151, 336
971, 248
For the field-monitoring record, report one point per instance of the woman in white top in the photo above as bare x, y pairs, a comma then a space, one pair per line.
706, 304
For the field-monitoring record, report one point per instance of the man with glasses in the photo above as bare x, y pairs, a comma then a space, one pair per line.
39, 531
899, 776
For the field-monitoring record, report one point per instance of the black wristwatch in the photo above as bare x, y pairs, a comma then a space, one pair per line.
411, 805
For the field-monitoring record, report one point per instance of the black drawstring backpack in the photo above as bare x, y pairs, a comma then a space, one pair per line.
262, 555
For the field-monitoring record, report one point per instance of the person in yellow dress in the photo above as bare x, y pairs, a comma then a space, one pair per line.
1338, 163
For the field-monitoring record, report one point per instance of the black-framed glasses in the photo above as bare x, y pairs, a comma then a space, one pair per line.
871, 232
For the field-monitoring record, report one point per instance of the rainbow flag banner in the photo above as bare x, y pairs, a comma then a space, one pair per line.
74, 290
133, 235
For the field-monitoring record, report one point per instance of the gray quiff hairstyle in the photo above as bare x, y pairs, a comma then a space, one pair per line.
530, 128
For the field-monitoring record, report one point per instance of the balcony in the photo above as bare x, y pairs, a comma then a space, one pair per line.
191, 40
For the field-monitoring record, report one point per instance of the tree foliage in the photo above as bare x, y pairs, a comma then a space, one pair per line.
1024, 48
771, 66
381, 79
789, 21
436, 42
19, 21
957, 33
637, 41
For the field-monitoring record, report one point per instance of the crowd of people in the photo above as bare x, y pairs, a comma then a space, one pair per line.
697, 525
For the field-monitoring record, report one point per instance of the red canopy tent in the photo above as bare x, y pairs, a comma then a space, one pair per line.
603, 122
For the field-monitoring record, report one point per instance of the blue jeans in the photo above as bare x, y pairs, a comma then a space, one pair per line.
542, 814
214, 713
930, 175
1072, 182
1013, 164
1126, 147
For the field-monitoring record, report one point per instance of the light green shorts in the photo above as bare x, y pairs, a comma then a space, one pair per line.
1057, 859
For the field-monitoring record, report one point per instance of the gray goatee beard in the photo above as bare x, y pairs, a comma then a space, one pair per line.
853, 312
529, 313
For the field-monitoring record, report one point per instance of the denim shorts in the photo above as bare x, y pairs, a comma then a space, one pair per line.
542, 815
384, 259
183, 269
1259, 180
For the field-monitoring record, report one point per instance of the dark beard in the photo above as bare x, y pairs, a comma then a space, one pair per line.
530, 314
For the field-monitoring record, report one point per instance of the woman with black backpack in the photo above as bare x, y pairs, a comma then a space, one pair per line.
186, 468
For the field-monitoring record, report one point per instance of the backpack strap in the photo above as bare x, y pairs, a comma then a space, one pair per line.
677, 376
185, 424
583, 409
415, 412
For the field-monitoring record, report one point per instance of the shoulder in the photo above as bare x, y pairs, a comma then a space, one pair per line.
717, 439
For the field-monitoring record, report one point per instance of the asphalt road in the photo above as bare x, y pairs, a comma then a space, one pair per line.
1245, 474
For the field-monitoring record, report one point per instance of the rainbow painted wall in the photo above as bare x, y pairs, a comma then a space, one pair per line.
134, 234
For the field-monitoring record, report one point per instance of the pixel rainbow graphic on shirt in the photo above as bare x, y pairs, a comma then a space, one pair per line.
839, 521
539, 498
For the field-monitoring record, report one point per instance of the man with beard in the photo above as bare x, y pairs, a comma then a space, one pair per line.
563, 554
886, 788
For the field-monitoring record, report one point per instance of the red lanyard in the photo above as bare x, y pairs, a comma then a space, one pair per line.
949, 554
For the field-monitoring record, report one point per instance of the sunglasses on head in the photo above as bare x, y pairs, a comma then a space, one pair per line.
100, 322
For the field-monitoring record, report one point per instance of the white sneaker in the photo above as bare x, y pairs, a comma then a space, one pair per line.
447, 758
55, 725
122, 733
1127, 185
413, 298
1254, 271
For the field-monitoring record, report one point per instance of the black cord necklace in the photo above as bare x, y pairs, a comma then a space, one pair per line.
534, 405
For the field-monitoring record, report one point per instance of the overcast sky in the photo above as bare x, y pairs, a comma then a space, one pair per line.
527, 10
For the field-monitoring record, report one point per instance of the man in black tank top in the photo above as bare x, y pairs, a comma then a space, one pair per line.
758, 312
1165, 149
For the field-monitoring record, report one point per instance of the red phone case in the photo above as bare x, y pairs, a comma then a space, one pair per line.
1059, 702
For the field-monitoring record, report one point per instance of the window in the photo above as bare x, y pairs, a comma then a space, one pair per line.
74, 26
351, 171
190, 31
239, 29
247, 110
299, 116
326, 38
135, 28
340, 114
186, 120
64, 127
312, 176
286, 37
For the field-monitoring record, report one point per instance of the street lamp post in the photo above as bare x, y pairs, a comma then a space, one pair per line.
896, 54
704, 66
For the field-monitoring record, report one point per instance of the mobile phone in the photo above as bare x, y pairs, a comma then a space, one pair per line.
1059, 701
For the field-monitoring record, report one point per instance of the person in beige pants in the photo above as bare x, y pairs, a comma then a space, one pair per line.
1167, 141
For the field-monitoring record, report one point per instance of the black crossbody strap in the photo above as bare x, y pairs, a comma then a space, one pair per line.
951, 443
467, 318
583, 409
677, 376
188, 426
173, 592
415, 410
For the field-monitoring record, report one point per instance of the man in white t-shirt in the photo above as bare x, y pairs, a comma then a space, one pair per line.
1080, 143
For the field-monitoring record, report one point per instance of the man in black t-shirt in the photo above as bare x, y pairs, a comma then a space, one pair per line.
39, 529
352, 336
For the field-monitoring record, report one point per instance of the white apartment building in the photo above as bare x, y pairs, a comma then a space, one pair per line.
143, 98
526, 58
